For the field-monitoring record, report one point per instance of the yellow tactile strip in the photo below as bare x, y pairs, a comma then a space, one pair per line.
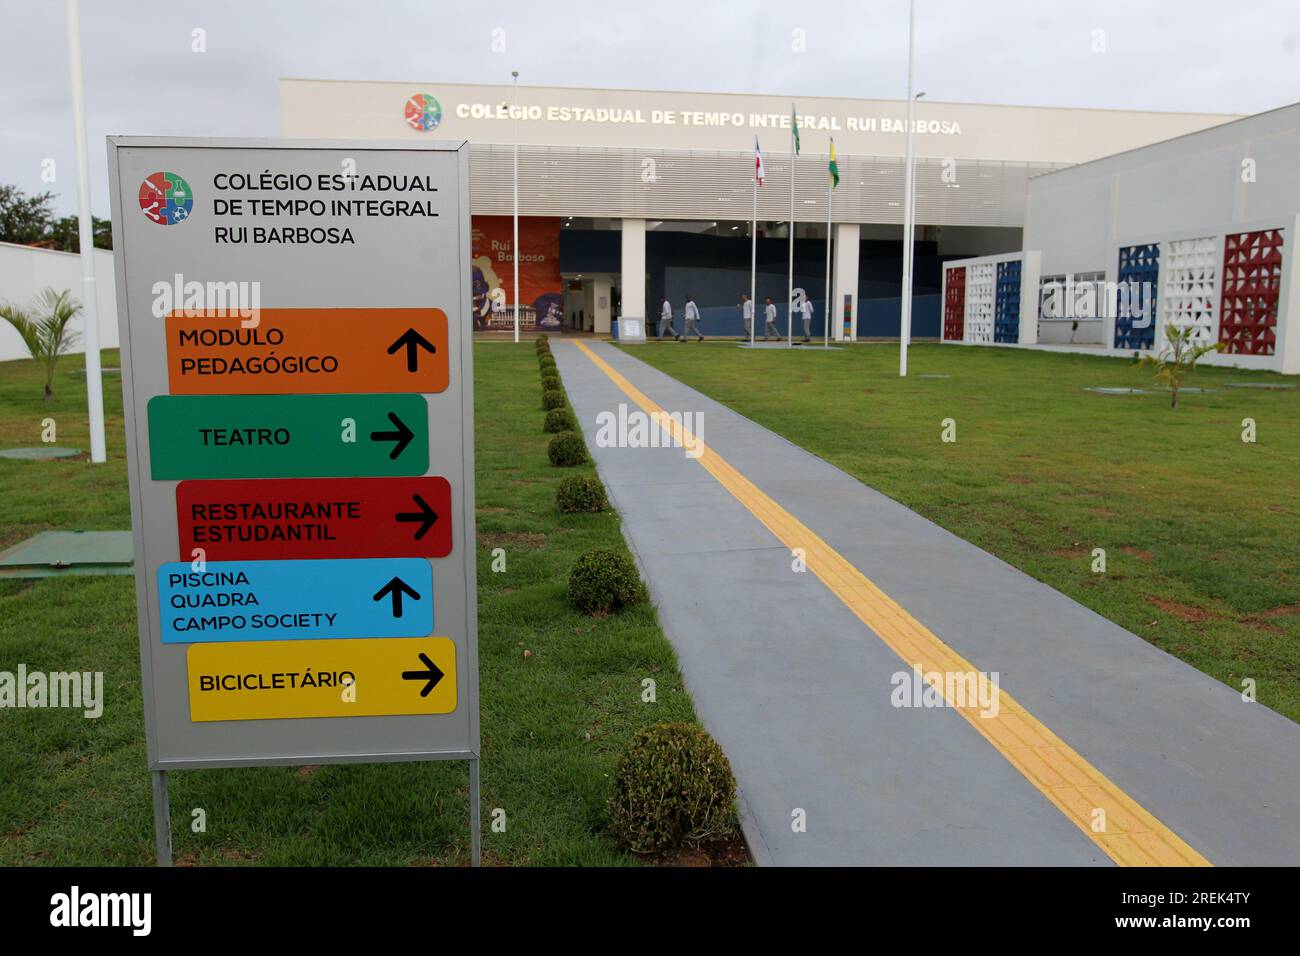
1131, 836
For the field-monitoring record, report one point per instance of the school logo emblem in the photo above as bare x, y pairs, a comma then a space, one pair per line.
166, 199
423, 112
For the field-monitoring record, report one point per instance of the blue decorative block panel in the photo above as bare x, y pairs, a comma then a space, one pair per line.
1006, 305
1135, 305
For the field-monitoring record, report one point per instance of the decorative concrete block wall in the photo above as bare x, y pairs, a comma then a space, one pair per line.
991, 300
981, 297
1190, 288
1136, 313
1252, 283
954, 305
1006, 306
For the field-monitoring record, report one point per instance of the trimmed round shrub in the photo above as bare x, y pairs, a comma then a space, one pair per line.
566, 449
543, 349
543, 339
673, 787
552, 383
581, 493
553, 398
602, 581
548, 367
559, 420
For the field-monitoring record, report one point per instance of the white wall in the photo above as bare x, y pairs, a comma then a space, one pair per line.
1188, 185
1238, 177
25, 271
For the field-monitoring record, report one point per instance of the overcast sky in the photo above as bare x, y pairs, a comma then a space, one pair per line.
143, 78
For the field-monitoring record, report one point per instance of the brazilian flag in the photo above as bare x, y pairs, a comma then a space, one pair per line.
794, 125
834, 168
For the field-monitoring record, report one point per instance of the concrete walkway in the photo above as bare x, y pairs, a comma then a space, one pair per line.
797, 689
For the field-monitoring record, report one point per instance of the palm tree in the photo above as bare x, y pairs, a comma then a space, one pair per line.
1178, 357
44, 327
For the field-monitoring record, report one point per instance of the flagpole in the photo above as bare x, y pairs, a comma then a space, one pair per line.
789, 292
830, 200
514, 238
86, 244
753, 257
905, 301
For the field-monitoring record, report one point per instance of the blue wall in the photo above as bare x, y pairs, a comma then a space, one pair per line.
878, 316
715, 270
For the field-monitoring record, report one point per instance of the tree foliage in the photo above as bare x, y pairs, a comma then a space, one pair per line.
28, 221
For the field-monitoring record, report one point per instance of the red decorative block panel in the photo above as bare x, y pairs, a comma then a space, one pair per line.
1252, 278
954, 305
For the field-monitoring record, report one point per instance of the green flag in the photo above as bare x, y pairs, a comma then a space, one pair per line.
834, 167
794, 125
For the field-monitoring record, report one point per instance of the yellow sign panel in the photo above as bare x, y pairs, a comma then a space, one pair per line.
366, 677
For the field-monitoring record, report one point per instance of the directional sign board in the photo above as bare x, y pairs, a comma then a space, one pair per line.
265, 519
274, 681
281, 436
308, 350
298, 400
295, 600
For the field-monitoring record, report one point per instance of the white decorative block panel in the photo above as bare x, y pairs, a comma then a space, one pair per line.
981, 296
1191, 287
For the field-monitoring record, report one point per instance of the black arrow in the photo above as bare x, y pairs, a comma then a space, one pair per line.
397, 587
413, 341
402, 436
431, 674
426, 516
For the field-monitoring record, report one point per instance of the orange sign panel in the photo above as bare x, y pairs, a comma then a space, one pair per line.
294, 351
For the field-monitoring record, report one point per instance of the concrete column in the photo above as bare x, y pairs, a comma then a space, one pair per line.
632, 282
845, 281
1287, 348
1031, 268
601, 308
588, 304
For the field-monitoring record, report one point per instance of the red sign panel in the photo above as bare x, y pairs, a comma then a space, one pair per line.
271, 519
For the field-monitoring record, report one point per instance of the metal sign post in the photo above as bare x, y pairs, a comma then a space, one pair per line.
298, 386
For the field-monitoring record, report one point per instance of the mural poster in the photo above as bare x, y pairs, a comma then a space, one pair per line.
541, 300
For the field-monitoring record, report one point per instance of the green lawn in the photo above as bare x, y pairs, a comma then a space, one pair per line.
1201, 530
76, 791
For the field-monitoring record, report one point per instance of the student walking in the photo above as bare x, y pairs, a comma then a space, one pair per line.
769, 320
691, 320
747, 315
666, 321
807, 310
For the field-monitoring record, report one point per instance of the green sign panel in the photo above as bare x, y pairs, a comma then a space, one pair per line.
287, 436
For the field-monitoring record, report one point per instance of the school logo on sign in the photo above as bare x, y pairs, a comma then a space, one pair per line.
166, 199
423, 112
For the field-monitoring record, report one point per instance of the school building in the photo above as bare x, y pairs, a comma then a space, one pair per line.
627, 196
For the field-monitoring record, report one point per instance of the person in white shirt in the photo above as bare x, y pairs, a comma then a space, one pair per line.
747, 315
691, 318
769, 320
666, 321
807, 309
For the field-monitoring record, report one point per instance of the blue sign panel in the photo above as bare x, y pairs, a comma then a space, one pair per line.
295, 600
